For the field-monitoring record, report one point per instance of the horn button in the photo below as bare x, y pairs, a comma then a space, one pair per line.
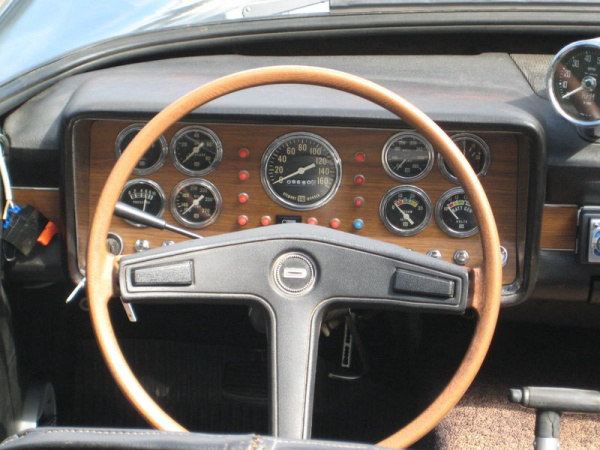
294, 273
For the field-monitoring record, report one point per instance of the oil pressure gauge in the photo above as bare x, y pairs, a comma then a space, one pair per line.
145, 195
195, 203
573, 82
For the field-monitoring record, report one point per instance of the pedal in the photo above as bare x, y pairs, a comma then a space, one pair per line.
39, 407
353, 363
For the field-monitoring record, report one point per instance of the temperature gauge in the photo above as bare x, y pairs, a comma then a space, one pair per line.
454, 214
405, 210
145, 195
195, 203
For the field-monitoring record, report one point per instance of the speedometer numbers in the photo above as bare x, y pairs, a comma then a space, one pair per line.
573, 83
405, 210
301, 171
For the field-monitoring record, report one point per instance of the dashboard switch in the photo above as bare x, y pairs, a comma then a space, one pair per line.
312, 221
359, 201
335, 223
244, 152
435, 253
360, 157
243, 175
358, 224
243, 198
242, 220
265, 220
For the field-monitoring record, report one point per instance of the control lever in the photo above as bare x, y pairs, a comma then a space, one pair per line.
132, 214
549, 404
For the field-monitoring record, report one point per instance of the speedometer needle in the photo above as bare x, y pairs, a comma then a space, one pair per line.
194, 203
568, 94
195, 150
300, 171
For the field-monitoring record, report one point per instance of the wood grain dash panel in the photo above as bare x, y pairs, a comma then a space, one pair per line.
559, 227
501, 184
45, 201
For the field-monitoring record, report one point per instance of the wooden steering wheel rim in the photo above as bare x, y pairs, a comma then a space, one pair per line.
486, 283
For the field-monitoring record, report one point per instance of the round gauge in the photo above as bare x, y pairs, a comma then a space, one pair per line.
195, 203
154, 157
405, 210
196, 150
454, 214
573, 82
407, 156
301, 171
475, 150
145, 195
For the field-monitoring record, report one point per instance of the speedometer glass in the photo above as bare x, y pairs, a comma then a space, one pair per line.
301, 171
573, 82
405, 210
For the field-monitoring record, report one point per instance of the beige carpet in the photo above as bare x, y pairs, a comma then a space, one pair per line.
484, 419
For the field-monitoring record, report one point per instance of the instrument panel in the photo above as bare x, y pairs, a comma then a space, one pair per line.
385, 184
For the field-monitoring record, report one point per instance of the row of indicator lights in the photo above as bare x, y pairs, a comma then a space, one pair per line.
335, 223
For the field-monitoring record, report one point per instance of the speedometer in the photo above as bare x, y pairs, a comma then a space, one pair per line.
301, 171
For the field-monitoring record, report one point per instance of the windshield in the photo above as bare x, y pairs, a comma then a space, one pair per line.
35, 32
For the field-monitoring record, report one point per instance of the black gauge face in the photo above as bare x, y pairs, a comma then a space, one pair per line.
454, 214
144, 195
574, 84
154, 157
407, 156
301, 171
196, 150
405, 210
195, 203
475, 150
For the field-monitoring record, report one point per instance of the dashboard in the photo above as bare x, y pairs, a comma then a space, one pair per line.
387, 184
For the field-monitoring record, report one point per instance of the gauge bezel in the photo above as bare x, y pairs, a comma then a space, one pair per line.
486, 150
163, 152
388, 145
439, 205
405, 188
155, 185
208, 185
218, 150
550, 81
282, 201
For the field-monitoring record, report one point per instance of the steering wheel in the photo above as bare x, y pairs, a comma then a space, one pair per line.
338, 269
